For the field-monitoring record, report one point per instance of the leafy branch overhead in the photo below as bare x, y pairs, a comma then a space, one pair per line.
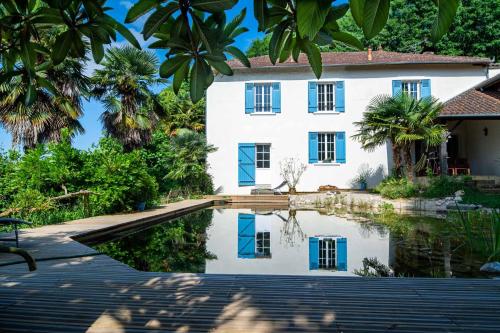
196, 34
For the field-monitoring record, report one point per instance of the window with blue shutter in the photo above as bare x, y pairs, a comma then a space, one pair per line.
313, 253
425, 89
246, 164
249, 99
339, 96
246, 235
397, 86
340, 147
313, 147
342, 254
313, 97
276, 97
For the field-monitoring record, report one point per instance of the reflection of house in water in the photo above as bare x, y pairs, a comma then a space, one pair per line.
301, 242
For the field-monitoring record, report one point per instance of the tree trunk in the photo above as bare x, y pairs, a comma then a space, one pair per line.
396, 158
408, 162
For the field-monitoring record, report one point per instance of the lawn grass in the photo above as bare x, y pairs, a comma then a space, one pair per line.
489, 200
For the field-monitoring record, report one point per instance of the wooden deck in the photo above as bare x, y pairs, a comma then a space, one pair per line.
97, 294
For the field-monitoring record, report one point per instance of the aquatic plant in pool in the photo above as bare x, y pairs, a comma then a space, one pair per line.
302, 242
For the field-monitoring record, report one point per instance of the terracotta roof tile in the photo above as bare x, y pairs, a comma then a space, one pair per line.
361, 59
472, 103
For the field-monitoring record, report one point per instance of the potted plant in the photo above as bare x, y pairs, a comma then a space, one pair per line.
291, 171
364, 173
146, 190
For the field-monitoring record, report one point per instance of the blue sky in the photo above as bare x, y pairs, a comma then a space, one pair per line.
93, 108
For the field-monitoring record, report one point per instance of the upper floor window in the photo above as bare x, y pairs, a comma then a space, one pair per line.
326, 97
263, 158
263, 97
326, 147
412, 88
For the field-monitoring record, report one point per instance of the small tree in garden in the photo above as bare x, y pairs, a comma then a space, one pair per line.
291, 171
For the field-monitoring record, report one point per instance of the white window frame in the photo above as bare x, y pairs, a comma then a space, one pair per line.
262, 248
409, 92
262, 108
263, 160
325, 261
325, 106
325, 142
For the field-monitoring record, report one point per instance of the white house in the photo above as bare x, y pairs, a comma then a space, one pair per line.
264, 114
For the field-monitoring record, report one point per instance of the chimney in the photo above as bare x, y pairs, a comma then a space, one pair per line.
370, 54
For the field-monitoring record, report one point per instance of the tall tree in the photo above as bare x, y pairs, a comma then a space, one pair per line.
123, 85
43, 120
403, 121
180, 112
259, 47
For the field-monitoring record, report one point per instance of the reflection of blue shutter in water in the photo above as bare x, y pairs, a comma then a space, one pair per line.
313, 253
342, 254
246, 235
246, 164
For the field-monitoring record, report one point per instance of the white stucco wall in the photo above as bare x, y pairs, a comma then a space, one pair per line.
287, 132
289, 259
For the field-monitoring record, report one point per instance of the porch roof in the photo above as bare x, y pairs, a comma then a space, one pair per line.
482, 101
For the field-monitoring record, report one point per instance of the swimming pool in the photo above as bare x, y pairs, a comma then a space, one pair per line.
294, 242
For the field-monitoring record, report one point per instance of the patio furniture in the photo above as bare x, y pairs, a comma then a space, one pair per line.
459, 166
260, 190
14, 222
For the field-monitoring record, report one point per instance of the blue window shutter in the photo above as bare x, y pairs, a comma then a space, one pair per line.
340, 147
425, 89
313, 97
313, 147
276, 97
342, 254
339, 96
246, 235
397, 87
246, 164
313, 253
249, 108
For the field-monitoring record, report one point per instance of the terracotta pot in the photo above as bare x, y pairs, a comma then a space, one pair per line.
292, 190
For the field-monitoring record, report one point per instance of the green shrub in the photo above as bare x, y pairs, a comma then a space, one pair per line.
396, 188
443, 186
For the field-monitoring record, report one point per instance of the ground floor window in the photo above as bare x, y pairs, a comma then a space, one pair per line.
326, 147
263, 156
263, 244
327, 253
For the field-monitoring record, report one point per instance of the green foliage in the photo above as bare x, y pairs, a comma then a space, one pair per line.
410, 25
179, 163
123, 84
443, 186
119, 179
396, 188
174, 246
481, 232
78, 23
479, 198
259, 47
180, 112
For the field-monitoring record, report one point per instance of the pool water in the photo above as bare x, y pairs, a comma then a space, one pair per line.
302, 242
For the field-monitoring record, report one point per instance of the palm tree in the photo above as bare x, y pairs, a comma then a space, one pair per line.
180, 112
380, 125
402, 120
123, 86
43, 120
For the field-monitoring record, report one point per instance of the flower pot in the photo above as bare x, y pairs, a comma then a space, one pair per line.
292, 190
141, 206
363, 186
